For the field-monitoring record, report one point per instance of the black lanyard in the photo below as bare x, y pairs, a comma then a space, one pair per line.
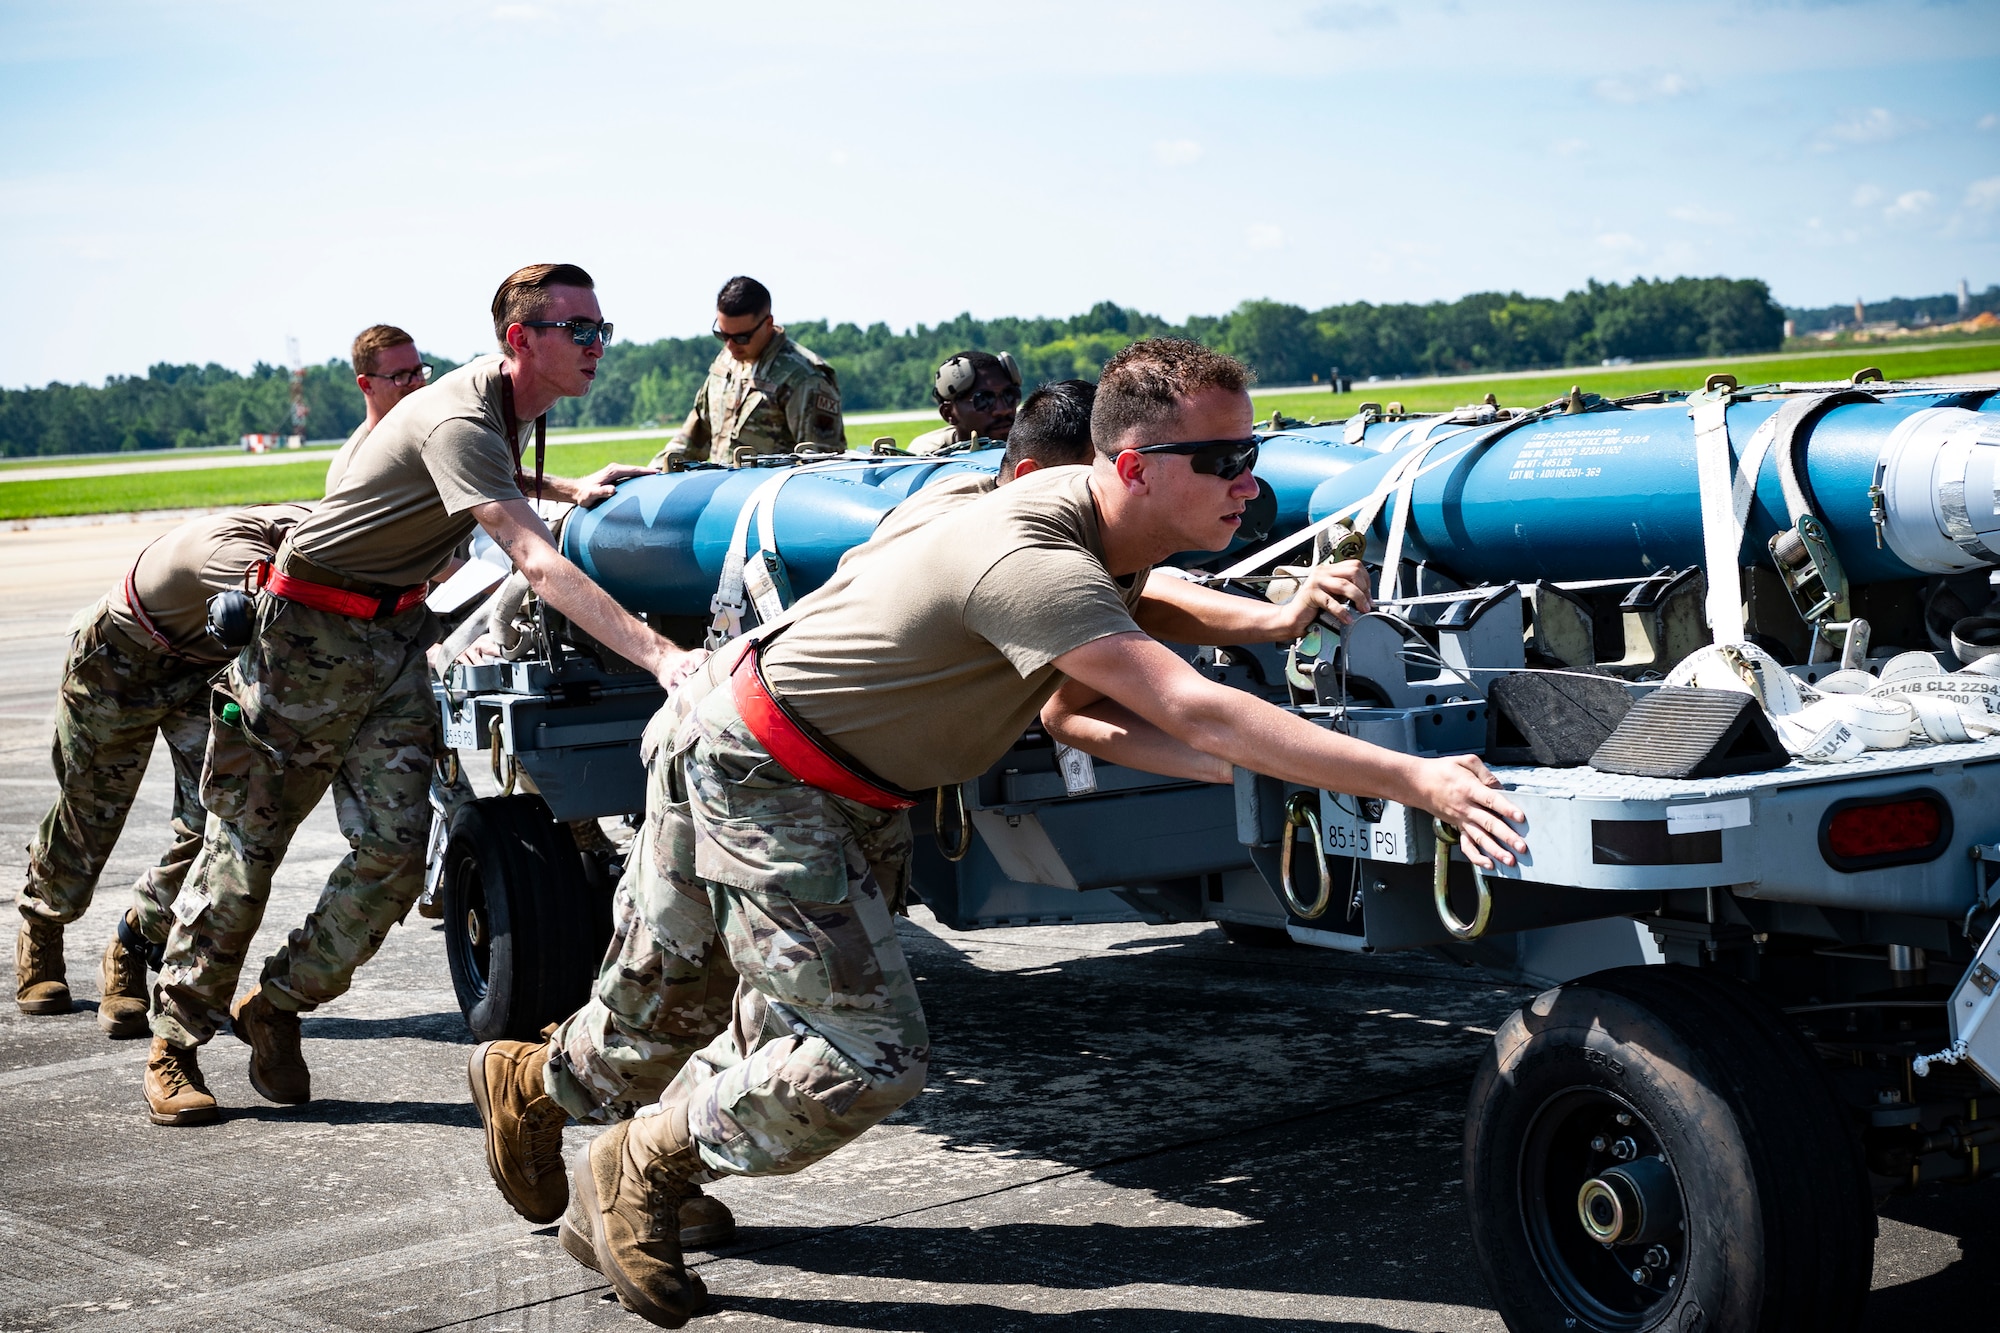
514, 432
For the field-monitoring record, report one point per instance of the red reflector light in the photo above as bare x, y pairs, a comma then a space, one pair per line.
1893, 829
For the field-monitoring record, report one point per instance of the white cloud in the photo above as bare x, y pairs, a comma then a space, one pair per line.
1989, 120
1867, 196
1877, 124
838, 157
1347, 16
1634, 89
1620, 242
1568, 147
1983, 196
1705, 217
1177, 152
1264, 236
1910, 204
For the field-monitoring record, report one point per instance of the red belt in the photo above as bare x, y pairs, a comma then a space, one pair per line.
340, 601
802, 756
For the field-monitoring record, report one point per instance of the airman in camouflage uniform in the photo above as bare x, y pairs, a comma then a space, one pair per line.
139, 664
764, 392
333, 690
828, 1036
664, 991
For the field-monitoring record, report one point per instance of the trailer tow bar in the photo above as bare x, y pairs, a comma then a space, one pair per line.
1447, 838
1302, 812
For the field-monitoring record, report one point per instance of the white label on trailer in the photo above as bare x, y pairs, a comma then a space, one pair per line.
1708, 815
1391, 838
459, 730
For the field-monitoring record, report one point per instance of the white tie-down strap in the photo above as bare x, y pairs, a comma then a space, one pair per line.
741, 575
1727, 488
1406, 490
1810, 731
1372, 502
1744, 667
727, 606
1914, 700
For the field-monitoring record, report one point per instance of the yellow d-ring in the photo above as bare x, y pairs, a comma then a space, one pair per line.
952, 851
505, 777
1447, 838
1302, 811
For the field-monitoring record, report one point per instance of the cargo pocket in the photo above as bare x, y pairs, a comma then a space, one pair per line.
799, 861
237, 762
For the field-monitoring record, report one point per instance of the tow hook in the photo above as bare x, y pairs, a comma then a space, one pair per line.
1447, 838
1302, 812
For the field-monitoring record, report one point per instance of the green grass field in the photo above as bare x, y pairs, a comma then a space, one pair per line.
1619, 381
202, 488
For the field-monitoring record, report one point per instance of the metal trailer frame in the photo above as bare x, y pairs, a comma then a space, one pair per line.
1647, 1146
1729, 877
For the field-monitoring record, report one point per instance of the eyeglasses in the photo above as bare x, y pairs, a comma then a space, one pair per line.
1227, 459
982, 400
582, 332
740, 339
401, 378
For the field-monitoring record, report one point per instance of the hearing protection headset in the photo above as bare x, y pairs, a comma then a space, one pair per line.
956, 377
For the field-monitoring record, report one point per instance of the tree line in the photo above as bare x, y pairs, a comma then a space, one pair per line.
880, 369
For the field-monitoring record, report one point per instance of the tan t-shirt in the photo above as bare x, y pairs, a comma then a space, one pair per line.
177, 574
336, 467
399, 510
931, 502
927, 656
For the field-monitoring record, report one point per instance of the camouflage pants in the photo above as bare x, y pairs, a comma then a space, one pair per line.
665, 988
116, 696
327, 701
826, 1036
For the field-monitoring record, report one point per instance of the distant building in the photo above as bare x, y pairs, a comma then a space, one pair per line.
1860, 314
1964, 299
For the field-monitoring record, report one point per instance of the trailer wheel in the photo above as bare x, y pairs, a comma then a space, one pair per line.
524, 926
1656, 1148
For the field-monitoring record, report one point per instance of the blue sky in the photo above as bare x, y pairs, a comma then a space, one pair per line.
197, 182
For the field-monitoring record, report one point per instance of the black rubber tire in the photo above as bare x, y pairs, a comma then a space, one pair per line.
1779, 1223
1256, 937
541, 923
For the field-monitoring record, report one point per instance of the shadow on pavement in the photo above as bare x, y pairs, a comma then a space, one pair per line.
336, 1111
942, 1317
1971, 1282
445, 1026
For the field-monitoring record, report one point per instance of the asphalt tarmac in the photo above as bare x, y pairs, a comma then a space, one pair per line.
1128, 1128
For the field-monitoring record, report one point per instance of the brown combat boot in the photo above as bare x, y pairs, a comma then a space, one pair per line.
277, 1066
121, 979
523, 1125
629, 1189
706, 1222
175, 1091
41, 982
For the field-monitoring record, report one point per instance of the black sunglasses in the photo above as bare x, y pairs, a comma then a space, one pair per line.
582, 332
740, 339
1227, 459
